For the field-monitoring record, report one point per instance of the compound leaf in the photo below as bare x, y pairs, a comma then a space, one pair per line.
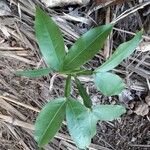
108, 83
49, 121
34, 73
86, 47
108, 112
50, 40
81, 123
122, 52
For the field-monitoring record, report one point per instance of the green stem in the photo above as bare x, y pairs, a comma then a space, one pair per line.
68, 86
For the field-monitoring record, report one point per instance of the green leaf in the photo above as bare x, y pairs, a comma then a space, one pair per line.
34, 73
82, 91
68, 86
109, 84
122, 52
81, 123
108, 112
86, 47
49, 121
50, 40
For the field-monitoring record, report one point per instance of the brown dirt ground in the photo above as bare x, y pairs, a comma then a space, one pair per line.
22, 98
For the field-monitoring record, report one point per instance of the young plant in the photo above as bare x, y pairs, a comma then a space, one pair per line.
81, 118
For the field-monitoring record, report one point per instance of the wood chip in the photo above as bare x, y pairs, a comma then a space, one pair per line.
142, 110
55, 3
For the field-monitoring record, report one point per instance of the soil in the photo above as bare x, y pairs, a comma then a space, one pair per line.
22, 98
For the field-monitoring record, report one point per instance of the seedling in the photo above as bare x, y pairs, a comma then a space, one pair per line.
81, 118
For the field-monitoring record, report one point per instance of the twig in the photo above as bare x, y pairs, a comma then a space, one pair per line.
8, 107
20, 141
12, 48
20, 104
130, 11
140, 145
107, 44
100, 6
7, 54
16, 122
148, 83
132, 33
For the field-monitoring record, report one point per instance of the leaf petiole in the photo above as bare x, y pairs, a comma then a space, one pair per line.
82, 91
68, 86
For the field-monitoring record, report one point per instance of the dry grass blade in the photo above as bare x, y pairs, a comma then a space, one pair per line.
16, 122
61, 3
131, 33
131, 11
107, 47
18, 103
9, 54
11, 109
25, 147
11, 49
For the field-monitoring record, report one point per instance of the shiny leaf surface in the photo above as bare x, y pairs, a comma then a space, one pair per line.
49, 39
122, 52
49, 121
86, 47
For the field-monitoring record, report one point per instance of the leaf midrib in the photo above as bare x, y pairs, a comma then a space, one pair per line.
73, 112
90, 123
49, 37
84, 49
52, 121
115, 56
